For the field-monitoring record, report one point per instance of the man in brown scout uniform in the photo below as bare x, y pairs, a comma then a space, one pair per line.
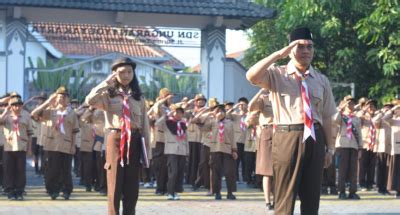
260, 103
238, 115
303, 107
367, 157
223, 151
203, 176
159, 158
86, 149
127, 133
348, 142
194, 138
392, 117
61, 147
3, 105
17, 131
382, 148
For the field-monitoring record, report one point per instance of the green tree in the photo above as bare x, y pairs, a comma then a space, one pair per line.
339, 52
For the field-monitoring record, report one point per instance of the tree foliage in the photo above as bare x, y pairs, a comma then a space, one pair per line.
353, 43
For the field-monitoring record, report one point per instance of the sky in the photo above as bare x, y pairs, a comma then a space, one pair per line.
235, 41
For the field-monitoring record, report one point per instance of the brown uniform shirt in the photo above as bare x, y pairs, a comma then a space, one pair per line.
172, 145
205, 132
193, 130
285, 96
366, 121
394, 122
17, 140
239, 127
342, 141
57, 139
86, 131
2, 137
252, 122
263, 104
100, 98
228, 145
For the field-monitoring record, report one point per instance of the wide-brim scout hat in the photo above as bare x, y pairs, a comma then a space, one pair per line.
200, 97
123, 61
164, 92
228, 103
372, 102
301, 33
347, 99
212, 102
15, 101
62, 90
14, 94
219, 107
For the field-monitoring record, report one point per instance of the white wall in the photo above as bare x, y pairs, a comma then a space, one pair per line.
236, 84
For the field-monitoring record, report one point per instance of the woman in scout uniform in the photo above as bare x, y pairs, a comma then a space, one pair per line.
250, 148
176, 149
260, 103
61, 141
223, 152
348, 142
17, 131
127, 133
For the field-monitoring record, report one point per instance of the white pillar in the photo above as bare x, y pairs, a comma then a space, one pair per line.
16, 36
213, 62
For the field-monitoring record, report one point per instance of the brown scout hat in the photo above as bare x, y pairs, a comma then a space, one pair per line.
212, 102
372, 101
62, 90
200, 96
15, 101
164, 92
14, 94
122, 62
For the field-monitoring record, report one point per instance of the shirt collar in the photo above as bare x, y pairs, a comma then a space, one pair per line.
291, 68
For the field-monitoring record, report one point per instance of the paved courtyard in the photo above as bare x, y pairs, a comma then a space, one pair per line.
250, 201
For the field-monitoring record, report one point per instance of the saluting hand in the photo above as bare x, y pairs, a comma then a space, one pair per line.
283, 53
111, 78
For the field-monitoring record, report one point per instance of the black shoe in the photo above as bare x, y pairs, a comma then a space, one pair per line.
195, 188
333, 191
159, 193
103, 192
230, 196
19, 197
218, 196
88, 188
270, 206
11, 196
54, 196
342, 196
324, 191
353, 196
66, 196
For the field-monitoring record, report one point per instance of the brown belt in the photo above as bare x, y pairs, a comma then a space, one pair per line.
295, 127
267, 126
119, 130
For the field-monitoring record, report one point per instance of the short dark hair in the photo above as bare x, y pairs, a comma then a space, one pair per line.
179, 109
243, 99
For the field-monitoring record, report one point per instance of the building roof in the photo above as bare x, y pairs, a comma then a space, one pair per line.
78, 45
235, 9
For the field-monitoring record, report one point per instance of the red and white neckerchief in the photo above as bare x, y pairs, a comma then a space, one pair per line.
243, 123
60, 121
221, 128
371, 136
15, 125
125, 128
349, 126
306, 107
253, 133
180, 133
